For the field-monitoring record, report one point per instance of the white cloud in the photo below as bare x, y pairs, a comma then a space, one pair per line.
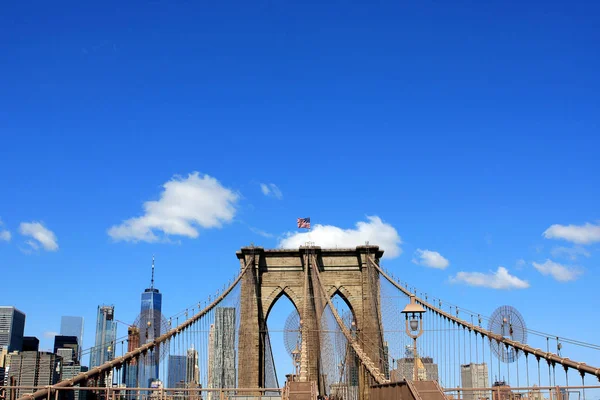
185, 205
581, 234
501, 279
5, 236
50, 334
571, 252
559, 272
40, 235
271, 189
520, 264
33, 244
374, 231
431, 259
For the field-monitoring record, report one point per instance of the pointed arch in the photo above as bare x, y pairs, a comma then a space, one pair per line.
347, 296
275, 295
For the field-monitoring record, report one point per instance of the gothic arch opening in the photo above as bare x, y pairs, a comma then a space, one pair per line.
282, 336
340, 366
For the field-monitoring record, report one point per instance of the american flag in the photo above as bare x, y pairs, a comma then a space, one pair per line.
304, 223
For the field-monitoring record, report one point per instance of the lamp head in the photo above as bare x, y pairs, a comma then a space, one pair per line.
413, 313
413, 310
414, 324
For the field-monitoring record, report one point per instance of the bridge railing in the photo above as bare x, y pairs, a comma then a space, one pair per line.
123, 393
524, 393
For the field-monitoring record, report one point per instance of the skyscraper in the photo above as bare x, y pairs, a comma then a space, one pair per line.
73, 326
12, 327
222, 363
192, 371
106, 333
152, 318
474, 376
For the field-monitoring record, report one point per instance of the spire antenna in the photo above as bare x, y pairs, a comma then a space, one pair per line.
152, 281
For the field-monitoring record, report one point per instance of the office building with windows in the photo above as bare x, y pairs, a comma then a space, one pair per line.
474, 376
71, 371
106, 334
33, 368
12, 327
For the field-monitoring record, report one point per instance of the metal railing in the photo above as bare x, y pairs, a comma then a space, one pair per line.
123, 393
525, 393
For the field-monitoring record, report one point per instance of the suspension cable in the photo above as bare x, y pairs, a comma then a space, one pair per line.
548, 356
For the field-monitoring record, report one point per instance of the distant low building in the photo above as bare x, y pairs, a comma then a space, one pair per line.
474, 376
130, 369
501, 391
426, 369
535, 393
67, 356
68, 372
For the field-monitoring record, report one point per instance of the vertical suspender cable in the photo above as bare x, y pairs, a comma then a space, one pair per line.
527, 367
517, 354
539, 372
492, 378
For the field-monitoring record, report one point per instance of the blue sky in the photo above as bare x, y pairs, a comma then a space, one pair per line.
468, 129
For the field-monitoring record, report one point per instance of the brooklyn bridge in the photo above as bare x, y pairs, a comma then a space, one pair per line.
359, 333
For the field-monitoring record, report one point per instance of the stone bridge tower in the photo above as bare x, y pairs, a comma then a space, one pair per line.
277, 273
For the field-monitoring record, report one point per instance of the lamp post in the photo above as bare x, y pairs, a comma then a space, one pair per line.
296, 358
414, 328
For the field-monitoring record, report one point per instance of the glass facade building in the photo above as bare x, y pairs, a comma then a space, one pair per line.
12, 328
106, 333
150, 328
177, 371
73, 326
